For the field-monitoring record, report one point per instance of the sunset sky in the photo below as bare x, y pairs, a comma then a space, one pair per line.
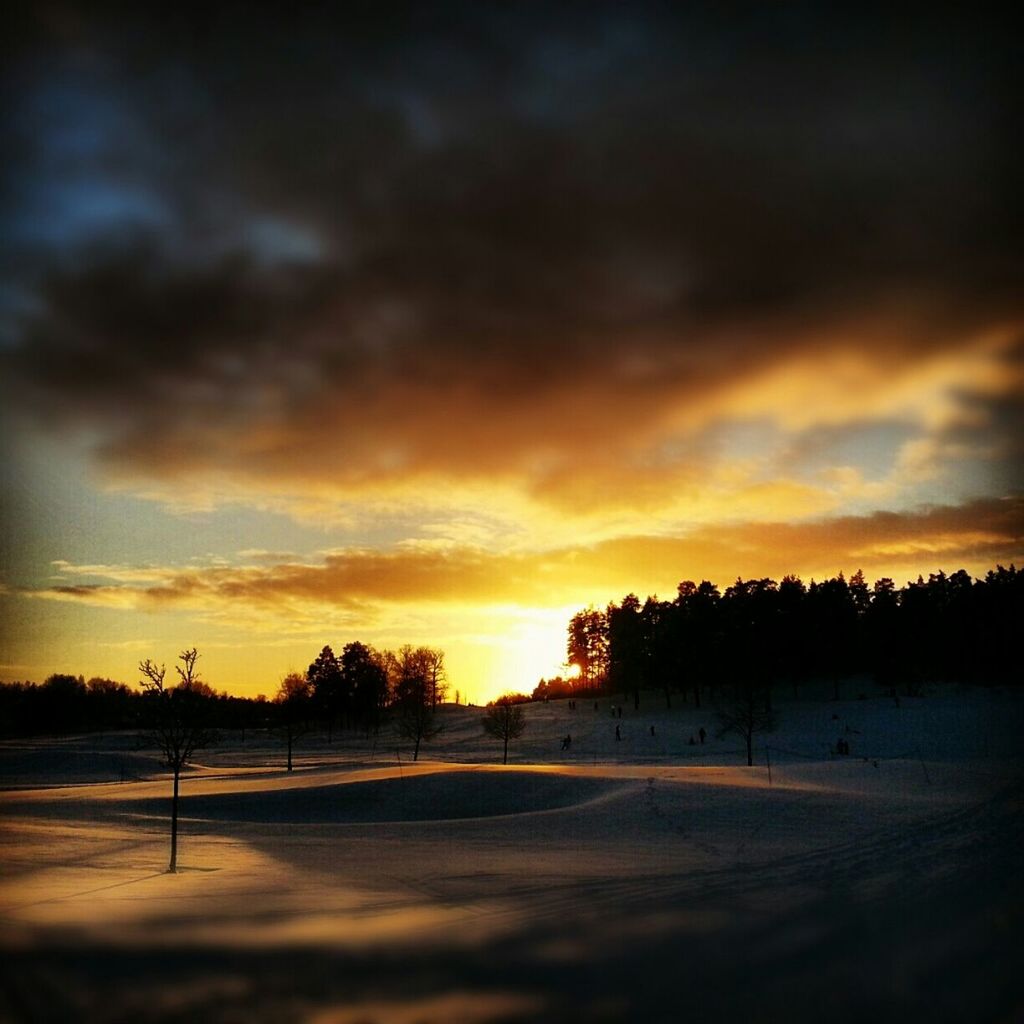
435, 323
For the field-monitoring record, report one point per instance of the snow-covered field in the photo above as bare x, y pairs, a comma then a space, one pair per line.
641, 879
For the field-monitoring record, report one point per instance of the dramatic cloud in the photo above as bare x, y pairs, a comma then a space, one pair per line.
506, 304
498, 245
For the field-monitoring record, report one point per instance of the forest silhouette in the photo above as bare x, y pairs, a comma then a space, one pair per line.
762, 633
755, 635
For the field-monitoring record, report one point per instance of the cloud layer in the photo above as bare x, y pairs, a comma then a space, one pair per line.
549, 252
979, 535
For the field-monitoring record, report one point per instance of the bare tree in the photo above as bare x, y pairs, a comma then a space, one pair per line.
413, 672
179, 723
416, 724
744, 713
294, 698
504, 721
437, 677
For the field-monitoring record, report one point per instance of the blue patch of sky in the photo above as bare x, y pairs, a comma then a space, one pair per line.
964, 478
96, 169
85, 174
59, 213
755, 442
871, 448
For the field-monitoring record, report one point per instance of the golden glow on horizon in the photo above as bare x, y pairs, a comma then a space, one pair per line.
491, 553
500, 617
346, 376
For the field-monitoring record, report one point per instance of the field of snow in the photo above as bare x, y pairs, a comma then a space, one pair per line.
641, 879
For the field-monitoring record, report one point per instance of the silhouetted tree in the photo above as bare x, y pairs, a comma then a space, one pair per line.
504, 720
62, 700
626, 653
750, 622
999, 610
660, 669
365, 678
883, 644
553, 689
833, 628
328, 688
744, 713
437, 680
587, 646
416, 723
179, 722
293, 700
109, 704
698, 627
915, 635
793, 661
412, 695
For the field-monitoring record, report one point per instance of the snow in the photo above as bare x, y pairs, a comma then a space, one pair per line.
642, 879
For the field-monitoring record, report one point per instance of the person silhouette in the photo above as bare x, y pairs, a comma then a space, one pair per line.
618, 734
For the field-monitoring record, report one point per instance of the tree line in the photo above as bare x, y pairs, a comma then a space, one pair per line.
64, 704
762, 633
356, 689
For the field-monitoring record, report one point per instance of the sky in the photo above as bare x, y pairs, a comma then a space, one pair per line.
434, 323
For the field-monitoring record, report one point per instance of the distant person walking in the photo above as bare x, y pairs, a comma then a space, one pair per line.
566, 741
618, 734
702, 734
652, 730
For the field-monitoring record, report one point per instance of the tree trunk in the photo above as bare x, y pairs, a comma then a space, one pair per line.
289, 748
636, 699
416, 749
505, 758
668, 698
750, 750
696, 695
173, 866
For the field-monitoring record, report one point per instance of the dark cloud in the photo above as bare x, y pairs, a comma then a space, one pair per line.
471, 238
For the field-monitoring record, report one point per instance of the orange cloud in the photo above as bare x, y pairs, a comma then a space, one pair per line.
975, 536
